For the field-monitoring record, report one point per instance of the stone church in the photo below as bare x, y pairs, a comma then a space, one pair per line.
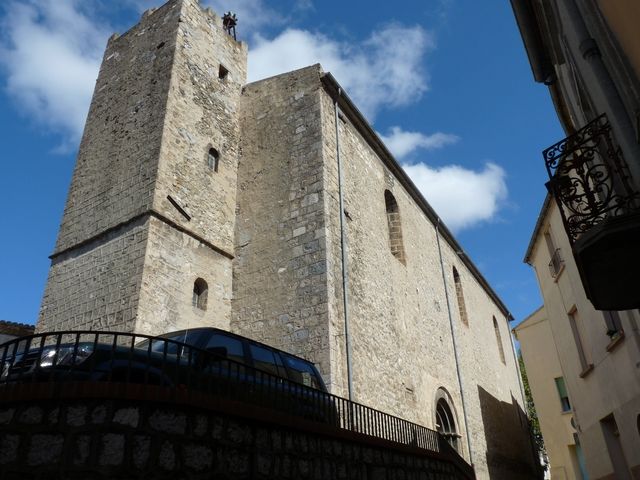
272, 209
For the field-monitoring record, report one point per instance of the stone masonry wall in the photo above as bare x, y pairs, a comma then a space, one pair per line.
123, 439
96, 286
500, 436
114, 176
201, 114
402, 348
96, 271
173, 262
400, 338
280, 266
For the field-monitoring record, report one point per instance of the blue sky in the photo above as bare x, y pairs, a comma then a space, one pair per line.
446, 83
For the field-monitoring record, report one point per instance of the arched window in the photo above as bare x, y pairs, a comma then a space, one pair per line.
460, 296
499, 340
200, 294
446, 423
395, 228
212, 159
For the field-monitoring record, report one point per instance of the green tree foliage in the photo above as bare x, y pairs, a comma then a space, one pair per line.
531, 412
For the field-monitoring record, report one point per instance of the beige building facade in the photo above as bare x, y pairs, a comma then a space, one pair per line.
552, 402
585, 245
599, 356
273, 210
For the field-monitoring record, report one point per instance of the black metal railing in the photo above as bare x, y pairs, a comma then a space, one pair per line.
556, 263
118, 357
589, 178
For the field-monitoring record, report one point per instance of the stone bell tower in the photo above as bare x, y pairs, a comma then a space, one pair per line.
146, 240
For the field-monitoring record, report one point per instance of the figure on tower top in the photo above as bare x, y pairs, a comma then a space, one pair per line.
229, 22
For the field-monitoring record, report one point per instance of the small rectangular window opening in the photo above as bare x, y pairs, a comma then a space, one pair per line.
222, 72
575, 322
562, 393
613, 323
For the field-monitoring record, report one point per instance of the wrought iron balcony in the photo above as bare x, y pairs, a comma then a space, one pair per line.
589, 178
556, 264
600, 208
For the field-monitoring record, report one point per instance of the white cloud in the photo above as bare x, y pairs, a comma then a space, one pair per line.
51, 52
463, 198
401, 142
384, 70
303, 5
290, 50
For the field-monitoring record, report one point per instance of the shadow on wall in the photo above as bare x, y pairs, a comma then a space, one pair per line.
510, 454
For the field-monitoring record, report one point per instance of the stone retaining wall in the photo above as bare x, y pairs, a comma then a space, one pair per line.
102, 439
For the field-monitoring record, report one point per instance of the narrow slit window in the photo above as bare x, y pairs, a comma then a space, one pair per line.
200, 294
395, 227
496, 328
578, 337
460, 297
213, 158
222, 72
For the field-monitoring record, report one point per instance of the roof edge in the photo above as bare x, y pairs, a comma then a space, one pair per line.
528, 321
315, 66
525, 15
538, 227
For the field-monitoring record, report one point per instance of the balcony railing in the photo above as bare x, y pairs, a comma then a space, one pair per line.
114, 357
556, 264
589, 178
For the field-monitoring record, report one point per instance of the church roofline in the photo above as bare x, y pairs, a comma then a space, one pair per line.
336, 92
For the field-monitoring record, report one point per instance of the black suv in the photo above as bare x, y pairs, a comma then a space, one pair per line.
240, 350
201, 359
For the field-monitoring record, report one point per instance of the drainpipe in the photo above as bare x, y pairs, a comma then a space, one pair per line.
455, 349
343, 249
625, 131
